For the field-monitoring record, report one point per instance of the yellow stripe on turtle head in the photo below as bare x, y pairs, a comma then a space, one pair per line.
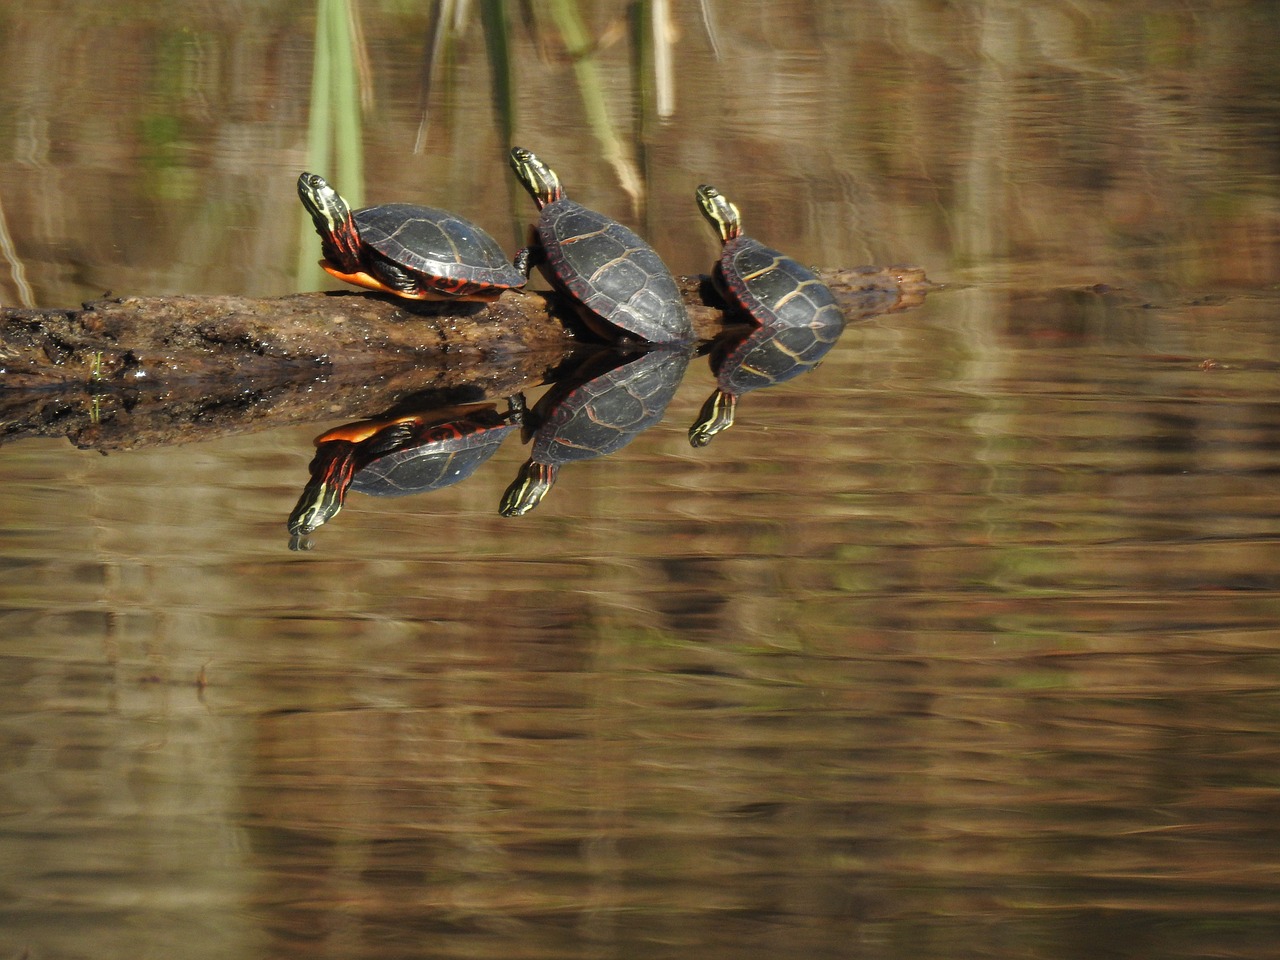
720, 213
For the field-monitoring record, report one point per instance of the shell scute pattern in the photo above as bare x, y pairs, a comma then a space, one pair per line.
605, 414
610, 269
784, 353
766, 281
617, 280
437, 243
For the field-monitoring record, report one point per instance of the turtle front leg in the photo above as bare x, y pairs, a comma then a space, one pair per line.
399, 280
532, 255
528, 258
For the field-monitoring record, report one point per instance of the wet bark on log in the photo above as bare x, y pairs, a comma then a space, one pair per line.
139, 371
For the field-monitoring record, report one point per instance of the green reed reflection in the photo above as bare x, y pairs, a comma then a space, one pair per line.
339, 84
590, 87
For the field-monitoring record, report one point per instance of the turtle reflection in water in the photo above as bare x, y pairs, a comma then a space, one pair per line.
798, 316
763, 357
398, 456
598, 410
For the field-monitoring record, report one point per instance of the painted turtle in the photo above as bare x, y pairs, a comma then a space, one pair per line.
768, 286
601, 408
419, 253
763, 357
616, 278
401, 455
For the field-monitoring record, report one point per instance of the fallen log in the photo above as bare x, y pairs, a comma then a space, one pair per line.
137, 371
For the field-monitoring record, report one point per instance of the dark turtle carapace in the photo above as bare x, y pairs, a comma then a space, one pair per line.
614, 277
415, 252
762, 357
767, 286
598, 410
397, 456
798, 316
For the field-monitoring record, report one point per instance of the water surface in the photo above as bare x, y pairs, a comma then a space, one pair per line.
964, 644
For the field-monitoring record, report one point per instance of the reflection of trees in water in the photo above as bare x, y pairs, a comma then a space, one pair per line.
967, 640
1127, 137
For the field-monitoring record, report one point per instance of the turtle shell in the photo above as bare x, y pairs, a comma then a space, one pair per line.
612, 272
764, 357
447, 254
773, 354
596, 412
413, 453
586, 418
773, 288
436, 457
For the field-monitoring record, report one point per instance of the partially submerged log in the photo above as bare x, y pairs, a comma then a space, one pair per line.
143, 371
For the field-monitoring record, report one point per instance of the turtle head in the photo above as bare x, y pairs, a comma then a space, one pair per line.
539, 179
331, 472
317, 506
326, 206
720, 213
527, 489
716, 415
339, 237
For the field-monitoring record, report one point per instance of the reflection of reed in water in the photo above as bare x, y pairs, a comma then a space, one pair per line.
341, 82
21, 288
1046, 148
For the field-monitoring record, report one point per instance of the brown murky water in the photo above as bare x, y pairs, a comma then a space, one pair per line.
964, 645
